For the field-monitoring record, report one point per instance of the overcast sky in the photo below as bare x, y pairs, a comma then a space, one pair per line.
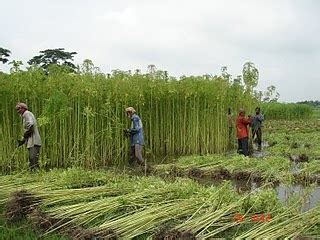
282, 37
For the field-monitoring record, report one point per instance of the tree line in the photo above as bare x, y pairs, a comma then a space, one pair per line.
60, 57
46, 58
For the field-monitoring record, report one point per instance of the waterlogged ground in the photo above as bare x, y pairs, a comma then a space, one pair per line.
139, 207
289, 158
274, 193
309, 194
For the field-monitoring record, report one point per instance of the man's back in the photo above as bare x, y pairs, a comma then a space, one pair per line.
257, 121
30, 121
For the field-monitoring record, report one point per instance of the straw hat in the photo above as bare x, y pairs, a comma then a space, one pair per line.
22, 105
130, 109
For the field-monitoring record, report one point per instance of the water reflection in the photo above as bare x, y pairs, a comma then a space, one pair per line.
311, 196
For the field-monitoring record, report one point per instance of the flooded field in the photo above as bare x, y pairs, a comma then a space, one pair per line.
193, 196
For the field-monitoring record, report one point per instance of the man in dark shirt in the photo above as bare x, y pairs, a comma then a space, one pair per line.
136, 136
256, 126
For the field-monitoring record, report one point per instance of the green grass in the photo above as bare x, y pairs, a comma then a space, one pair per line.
23, 231
316, 113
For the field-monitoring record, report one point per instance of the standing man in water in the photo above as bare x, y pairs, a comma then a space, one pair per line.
256, 126
242, 132
31, 136
136, 136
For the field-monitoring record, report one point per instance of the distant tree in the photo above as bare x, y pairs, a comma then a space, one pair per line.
120, 73
207, 76
88, 67
250, 76
152, 70
137, 71
54, 56
312, 103
166, 75
237, 80
4, 54
271, 95
258, 95
16, 64
160, 74
225, 75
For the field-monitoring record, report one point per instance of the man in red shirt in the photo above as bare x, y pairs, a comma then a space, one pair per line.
242, 132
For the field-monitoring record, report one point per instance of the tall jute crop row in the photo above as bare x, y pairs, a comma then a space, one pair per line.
287, 111
81, 117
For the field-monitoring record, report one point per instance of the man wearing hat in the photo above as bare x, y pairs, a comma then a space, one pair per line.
31, 135
136, 136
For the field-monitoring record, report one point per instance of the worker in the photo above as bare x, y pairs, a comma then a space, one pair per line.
31, 136
136, 136
256, 126
242, 123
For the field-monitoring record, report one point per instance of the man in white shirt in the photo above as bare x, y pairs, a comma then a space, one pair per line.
31, 136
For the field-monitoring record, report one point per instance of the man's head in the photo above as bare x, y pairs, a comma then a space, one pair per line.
130, 111
21, 108
242, 112
257, 110
229, 111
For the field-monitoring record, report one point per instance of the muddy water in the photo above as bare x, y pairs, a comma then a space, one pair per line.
257, 152
311, 197
239, 186
294, 168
